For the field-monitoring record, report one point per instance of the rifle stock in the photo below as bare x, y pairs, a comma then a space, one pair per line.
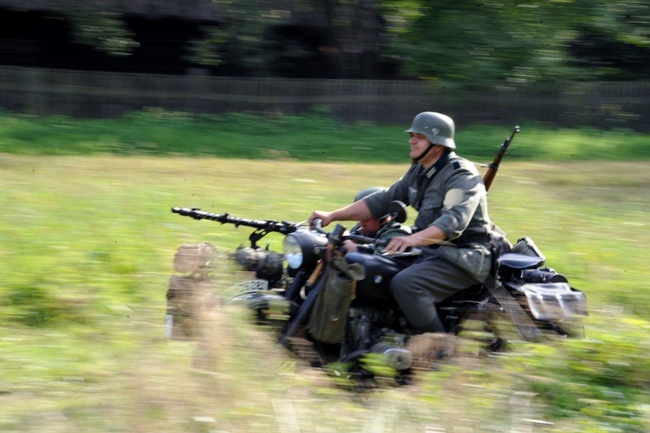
493, 167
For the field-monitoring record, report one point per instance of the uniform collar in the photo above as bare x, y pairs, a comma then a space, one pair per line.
439, 164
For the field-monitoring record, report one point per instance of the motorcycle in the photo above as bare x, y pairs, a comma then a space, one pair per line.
335, 306
331, 306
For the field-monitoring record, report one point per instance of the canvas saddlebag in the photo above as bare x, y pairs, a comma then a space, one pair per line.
330, 312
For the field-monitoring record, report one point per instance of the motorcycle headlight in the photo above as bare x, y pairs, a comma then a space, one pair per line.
302, 248
292, 251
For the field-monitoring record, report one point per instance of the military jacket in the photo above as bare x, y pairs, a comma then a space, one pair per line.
450, 195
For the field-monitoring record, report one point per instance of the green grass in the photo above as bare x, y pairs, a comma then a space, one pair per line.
87, 250
87, 253
311, 137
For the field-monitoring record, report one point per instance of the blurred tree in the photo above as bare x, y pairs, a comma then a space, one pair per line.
481, 42
240, 39
99, 24
356, 27
476, 41
467, 41
613, 38
260, 37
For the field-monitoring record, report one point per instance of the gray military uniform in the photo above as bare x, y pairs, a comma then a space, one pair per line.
450, 195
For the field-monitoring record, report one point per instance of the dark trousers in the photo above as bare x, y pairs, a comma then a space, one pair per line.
417, 288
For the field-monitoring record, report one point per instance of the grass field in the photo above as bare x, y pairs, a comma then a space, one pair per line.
87, 251
312, 137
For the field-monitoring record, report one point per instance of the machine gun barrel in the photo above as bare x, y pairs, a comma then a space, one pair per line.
265, 226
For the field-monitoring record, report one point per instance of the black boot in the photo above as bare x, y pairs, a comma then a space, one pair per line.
434, 326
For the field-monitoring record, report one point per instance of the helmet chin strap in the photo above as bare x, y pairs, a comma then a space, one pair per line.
423, 154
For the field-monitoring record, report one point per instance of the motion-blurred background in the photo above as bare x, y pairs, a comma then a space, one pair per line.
568, 63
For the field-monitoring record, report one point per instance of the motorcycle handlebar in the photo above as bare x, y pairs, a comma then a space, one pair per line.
317, 224
368, 240
382, 243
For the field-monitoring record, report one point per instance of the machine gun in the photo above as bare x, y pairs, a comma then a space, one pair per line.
262, 227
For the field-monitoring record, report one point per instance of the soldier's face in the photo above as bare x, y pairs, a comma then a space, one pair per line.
419, 144
371, 225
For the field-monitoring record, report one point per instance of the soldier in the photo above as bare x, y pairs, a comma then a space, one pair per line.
452, 226
377, 228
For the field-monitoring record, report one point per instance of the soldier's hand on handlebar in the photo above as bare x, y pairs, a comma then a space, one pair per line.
325, 217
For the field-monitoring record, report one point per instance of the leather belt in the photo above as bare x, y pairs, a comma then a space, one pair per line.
472, 238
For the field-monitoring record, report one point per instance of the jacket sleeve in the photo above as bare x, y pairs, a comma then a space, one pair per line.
464, 191
378, 202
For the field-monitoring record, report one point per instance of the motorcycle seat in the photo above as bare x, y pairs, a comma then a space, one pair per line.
519, 261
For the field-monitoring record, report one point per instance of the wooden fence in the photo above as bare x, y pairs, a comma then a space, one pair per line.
102, 94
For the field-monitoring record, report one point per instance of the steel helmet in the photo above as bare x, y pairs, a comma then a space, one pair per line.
366, 192
438, 128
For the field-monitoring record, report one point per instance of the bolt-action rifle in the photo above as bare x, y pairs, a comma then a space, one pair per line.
262, 227
493, 167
